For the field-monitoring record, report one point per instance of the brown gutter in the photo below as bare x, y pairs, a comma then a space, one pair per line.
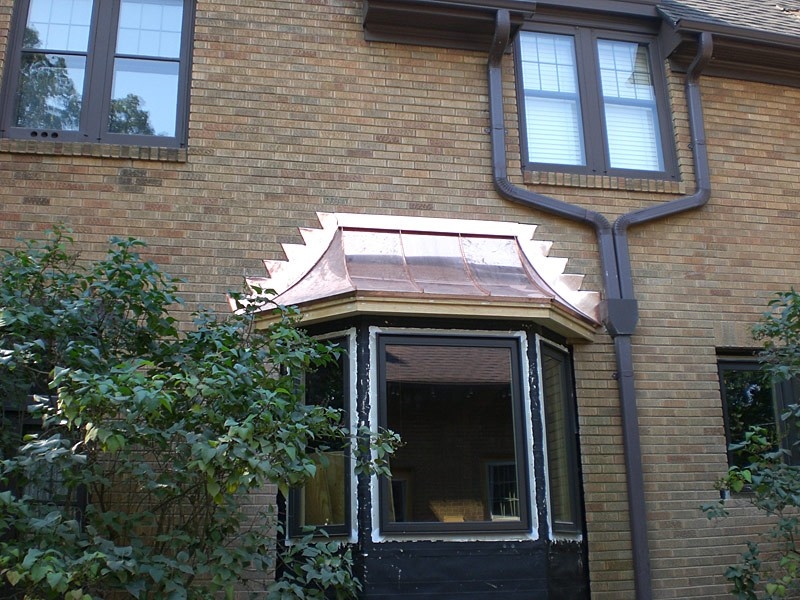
621, 312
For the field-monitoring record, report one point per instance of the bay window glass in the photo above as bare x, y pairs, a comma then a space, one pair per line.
561, 441
456, 403
99, 70
591, 104
324, 501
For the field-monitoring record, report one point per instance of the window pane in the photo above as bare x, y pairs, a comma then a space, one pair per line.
749, 398
554, 131
58, 25
633, 139
144, 98
150, 28
322, 502
629, 104
322, 499
557, 427
49, 95
552, 104
452, 406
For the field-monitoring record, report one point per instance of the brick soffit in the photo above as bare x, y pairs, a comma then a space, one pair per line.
383, 264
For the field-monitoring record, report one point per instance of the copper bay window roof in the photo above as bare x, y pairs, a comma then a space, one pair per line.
414, 266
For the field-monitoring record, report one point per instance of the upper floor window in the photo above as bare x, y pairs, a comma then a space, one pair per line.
592, 103
113, 71
752, 397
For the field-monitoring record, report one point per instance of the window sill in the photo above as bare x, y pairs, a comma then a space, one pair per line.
604, 182
98, 150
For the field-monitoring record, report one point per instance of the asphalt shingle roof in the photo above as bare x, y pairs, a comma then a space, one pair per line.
773, 17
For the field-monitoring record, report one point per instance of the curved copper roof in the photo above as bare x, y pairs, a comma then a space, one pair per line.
383, 264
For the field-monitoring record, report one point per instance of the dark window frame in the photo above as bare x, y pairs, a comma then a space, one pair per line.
520, 412
569, 433
785, 392
98, 79
593, 126
294, 529
21, 422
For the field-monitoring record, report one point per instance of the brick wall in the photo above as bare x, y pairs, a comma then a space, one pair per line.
292, 112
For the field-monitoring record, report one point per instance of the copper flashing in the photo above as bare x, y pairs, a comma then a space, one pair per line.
412, 266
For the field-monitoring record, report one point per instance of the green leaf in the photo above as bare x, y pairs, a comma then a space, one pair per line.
213, 489
57, 581
13, 577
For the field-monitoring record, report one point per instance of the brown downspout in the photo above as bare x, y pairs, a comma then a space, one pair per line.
620, 310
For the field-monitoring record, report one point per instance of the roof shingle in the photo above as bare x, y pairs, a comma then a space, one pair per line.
776, 17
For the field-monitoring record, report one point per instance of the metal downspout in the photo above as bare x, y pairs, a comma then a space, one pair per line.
702, 178
509, 191
620, 306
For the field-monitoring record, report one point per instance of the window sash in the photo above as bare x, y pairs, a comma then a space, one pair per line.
447, 514
631, 115
324, 503
88, 112
552, 100
612, 121
560, 430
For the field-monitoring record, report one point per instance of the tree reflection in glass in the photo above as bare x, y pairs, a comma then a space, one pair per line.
48, 95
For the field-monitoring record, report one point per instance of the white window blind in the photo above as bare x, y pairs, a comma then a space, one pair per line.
552, 101
632, 132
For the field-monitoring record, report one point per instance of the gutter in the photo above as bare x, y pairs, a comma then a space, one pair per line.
620, 307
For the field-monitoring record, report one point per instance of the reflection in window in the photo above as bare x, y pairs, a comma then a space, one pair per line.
137, 105
456, 404
751, 398
59, 25
561, 438
49, 93
87, 70
147, 29
503, 491
324, 502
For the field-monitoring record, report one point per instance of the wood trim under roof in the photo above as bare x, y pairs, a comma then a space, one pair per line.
741, 52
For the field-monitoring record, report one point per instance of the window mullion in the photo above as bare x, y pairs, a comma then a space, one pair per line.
12, 66
101, 62
594, 120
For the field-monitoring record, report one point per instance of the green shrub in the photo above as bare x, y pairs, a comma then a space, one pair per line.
153, 442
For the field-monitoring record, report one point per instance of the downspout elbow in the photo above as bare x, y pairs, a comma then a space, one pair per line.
702, 191
551, 205
518, 195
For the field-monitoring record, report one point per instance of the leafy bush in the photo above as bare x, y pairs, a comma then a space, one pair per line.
153, 444
770, 567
